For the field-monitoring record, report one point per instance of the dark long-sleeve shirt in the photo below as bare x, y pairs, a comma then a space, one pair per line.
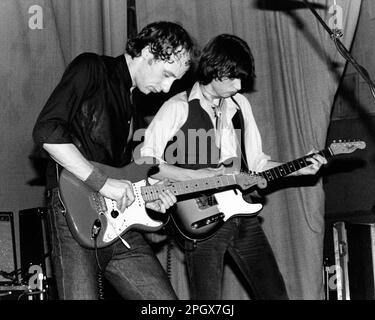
91, 108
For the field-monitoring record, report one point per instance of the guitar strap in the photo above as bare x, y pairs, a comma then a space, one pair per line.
239, 126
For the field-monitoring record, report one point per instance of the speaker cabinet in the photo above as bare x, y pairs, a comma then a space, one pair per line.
349, 179
35, 252
350, 252
34, 241
8, 260
361, 263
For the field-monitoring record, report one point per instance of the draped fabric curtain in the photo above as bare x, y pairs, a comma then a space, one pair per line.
298, 71
90, 25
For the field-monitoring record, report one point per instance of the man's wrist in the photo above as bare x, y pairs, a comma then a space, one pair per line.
96, 180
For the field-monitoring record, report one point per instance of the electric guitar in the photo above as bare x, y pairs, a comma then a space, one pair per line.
95, 221
198, 219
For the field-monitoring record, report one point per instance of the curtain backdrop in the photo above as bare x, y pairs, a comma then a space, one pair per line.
295, 90
298, 71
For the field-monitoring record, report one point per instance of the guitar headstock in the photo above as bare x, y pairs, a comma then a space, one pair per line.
247, 180
343, 146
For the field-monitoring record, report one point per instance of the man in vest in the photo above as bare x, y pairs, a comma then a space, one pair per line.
214, 108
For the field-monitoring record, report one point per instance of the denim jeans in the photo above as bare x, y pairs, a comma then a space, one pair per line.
244, 240
135, 273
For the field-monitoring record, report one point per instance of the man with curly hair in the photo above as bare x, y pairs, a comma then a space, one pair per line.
90, 117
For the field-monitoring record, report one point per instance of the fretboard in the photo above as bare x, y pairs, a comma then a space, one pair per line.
291, 166
151, 193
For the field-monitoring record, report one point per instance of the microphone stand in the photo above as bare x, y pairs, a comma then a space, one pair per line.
335, 35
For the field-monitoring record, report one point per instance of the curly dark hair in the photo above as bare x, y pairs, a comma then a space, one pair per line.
164, 39
226, 56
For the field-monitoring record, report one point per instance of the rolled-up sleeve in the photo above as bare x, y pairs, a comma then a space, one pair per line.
78, 81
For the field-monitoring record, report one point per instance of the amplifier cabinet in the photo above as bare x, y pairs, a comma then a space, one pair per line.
8, 260
353, 265
361, 263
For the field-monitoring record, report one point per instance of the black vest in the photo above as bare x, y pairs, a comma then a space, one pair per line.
193, 146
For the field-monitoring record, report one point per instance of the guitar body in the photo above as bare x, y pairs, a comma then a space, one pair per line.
87, 210
199, 218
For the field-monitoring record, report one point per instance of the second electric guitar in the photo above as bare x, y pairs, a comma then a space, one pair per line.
198, 219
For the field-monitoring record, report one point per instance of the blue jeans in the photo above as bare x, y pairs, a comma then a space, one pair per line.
135, 273
244, 240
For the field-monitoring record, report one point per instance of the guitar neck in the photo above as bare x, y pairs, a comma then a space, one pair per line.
151, 193
291, 166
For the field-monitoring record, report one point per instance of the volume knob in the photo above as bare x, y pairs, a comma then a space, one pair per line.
114, 214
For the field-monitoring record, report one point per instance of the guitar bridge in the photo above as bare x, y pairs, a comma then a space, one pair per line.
207, 221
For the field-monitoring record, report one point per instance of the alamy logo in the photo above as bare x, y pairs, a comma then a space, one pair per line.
36, 278
336, 17
336, 275
191, 147
36, 18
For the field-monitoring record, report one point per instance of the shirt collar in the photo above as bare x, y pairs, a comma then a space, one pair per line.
196, 93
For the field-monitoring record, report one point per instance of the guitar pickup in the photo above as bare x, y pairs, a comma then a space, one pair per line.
205, 202
204, 222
